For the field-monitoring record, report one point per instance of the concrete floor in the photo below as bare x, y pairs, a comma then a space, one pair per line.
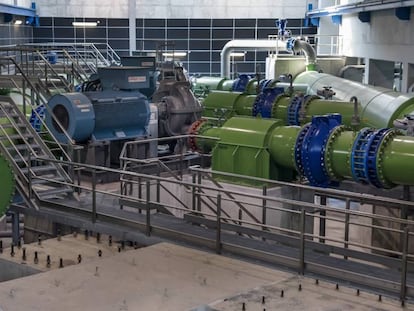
171, 277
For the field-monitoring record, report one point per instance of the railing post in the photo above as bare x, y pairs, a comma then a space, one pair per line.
199, 192
302, 242
347, 216
15, 227
29, 175
94, 195
322, 220
404, 257
193, 193
218, 232
148, 214
264, 203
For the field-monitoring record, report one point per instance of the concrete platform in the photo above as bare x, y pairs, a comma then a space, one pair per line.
171, 277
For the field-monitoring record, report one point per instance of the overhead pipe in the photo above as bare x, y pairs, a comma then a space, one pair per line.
308, 50
266, 45
248, 45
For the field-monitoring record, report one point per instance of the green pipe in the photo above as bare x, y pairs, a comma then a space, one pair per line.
249, 146
7, 185
224, 105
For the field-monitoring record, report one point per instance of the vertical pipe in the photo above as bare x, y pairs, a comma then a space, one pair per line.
148, 214
218, 232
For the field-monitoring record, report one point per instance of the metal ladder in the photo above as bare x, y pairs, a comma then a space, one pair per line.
21, 145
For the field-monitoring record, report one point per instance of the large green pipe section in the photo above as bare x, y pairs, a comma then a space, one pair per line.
291, 110
322, 151
379, 106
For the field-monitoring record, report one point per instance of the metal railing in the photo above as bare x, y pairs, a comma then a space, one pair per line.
95, 54
297, 244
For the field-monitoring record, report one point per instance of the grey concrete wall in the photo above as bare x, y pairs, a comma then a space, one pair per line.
174, 8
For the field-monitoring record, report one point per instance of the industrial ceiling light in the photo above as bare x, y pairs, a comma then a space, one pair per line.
237, 54
85, 24
174, 54
18, 22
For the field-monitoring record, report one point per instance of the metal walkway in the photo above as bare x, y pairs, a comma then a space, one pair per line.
195, 210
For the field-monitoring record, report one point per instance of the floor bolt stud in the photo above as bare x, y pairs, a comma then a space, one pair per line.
48, 261
36, 258
24, 254
60, 263
79, 258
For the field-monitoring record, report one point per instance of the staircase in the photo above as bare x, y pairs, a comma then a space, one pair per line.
23, 147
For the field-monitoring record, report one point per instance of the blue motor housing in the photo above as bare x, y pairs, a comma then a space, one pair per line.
99, 116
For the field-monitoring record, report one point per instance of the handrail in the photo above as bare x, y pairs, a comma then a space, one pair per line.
299, 238
44, 102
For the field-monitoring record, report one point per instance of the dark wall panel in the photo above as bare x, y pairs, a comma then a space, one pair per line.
201, 39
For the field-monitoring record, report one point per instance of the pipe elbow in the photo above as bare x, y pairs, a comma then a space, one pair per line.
307, 49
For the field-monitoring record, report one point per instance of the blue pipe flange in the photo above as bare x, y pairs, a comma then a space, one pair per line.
264, 84
358, 163
239, 85
366, 153
263, 103
310, 149
293, 110
37, 116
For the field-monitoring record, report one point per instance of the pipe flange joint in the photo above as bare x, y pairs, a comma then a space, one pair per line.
195, 129
335, 133
263, 103
293, 110
388, 136
240, 84
366, 156
310, 149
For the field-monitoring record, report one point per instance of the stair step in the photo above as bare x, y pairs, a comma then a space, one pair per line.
16, 136
54, 192
40, 169
22, 147
48, 182
8, 125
